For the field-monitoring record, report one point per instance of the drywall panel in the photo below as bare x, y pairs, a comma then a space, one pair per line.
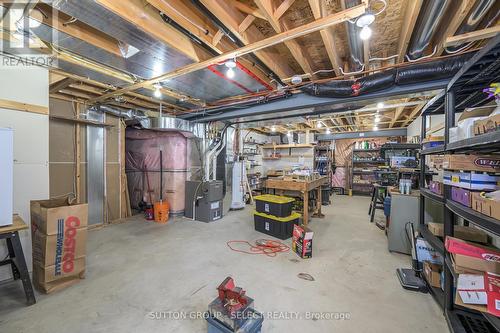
25, 84
31, 170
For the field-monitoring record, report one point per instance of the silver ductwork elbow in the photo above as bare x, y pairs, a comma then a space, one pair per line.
357, 55
428, 21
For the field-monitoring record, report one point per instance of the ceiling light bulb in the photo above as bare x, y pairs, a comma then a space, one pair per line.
273, 129
377, 119
157, 92
328, 131
289, 133
380, 105
318, 124
375, 128
231, 63
296, 79
365, 33
365, 20
230, 73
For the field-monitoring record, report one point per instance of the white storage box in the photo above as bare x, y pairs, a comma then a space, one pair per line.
6, 175
471, 181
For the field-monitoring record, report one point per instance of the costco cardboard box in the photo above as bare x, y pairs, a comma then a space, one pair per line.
462, 232
490, 124
59, 237
469, 256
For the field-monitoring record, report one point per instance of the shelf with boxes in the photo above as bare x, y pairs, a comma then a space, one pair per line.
471, 172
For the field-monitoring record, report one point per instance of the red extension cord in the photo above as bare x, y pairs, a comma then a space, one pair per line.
262, 246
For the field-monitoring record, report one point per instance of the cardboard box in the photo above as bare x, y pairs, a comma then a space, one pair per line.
432, 274
467, 255
462, 162
59, 236
425, 252
480, 292
47, 214
302, 241
462, 232
471, 181
49, 279
399, 161
436, 187
469, 116
484, 205
461, 195
436, 162
49, 250
490, 124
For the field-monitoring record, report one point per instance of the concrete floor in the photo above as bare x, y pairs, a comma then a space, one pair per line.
136, 267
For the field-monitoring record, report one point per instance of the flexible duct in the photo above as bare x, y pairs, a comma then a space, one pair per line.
435, 70
478, 12
357, 55
428, 21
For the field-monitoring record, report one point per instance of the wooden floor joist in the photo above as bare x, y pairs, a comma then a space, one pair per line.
270, 41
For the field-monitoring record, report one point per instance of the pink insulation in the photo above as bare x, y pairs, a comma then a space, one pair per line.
143, 167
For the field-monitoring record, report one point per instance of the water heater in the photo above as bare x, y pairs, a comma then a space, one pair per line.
6, 175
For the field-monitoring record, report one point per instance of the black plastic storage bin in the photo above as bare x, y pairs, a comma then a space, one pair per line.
279, 227
274, 205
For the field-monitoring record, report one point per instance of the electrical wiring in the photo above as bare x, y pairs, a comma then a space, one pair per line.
267, 247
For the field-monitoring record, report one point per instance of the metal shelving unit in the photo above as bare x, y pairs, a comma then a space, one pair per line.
464, 90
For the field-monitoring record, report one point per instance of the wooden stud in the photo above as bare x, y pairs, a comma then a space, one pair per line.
282, 8
247, 9
246, 23
13, 105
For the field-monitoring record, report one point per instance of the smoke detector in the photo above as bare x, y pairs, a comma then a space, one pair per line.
296, 79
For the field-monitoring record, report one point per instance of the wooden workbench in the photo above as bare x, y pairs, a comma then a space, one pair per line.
304, 187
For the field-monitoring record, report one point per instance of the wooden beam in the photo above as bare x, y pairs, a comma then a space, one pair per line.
472, 36
13, 105
247, 9
267, 7
246, 23
456, 20
217, 37
232, 18
413, 113
80, 30
148, 19
282, 8
410, 18
53, 88
305, 29
318, 8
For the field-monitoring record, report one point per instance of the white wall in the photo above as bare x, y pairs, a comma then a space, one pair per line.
31, 144
432, 123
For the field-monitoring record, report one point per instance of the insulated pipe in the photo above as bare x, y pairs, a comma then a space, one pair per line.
428, 21
478, 12
357, 55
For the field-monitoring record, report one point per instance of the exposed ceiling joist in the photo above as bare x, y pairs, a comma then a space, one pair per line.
282, 8
232, 17
262, 44
456, 19
267, 7
318, 8
64, 83
413, 114
148, 19
472, 36
410, 18
247, 9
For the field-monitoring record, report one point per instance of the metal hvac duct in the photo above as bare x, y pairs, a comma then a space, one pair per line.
478, 12
428, 21
355, 43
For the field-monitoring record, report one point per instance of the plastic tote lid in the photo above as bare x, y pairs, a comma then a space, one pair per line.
274, 198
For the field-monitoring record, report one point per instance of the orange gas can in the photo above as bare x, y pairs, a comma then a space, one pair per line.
161, 211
